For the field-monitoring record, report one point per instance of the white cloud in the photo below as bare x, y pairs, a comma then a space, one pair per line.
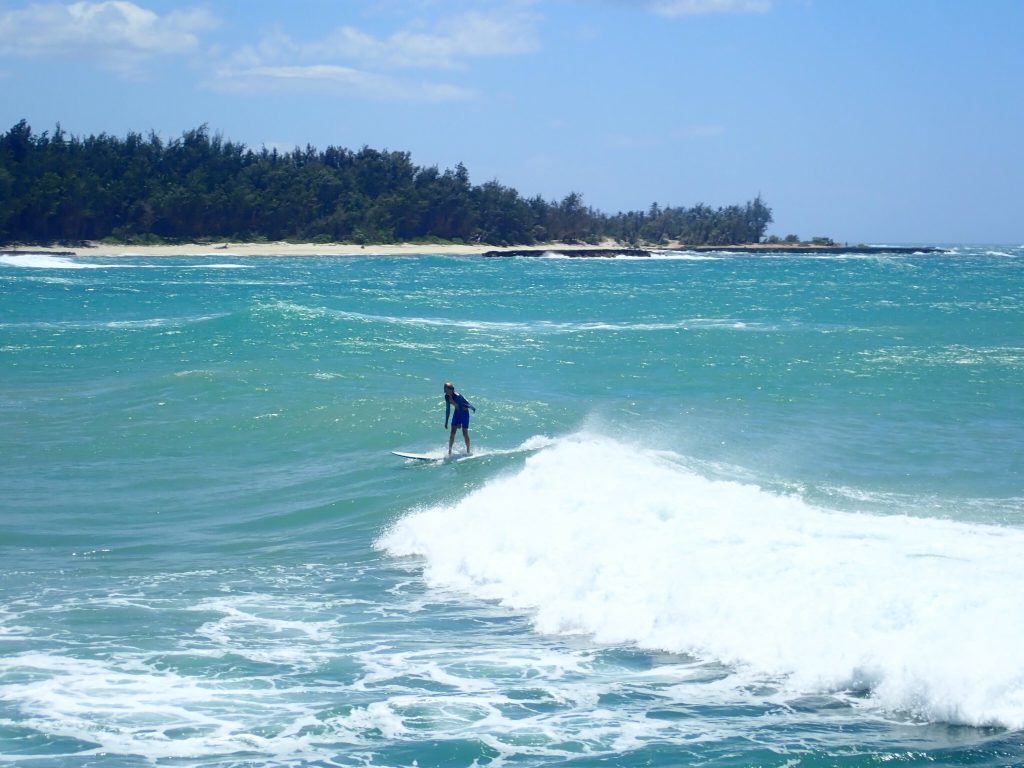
701, 7
118, 34
446, 44
353, 61
472, 35
332, 77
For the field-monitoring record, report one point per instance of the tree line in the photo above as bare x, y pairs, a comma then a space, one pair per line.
60, 188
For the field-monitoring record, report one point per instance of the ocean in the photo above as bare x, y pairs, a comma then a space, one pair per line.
723, 510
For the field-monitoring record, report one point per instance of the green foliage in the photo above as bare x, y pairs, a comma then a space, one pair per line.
145, 190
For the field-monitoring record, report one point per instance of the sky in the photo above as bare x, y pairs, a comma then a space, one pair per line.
868, 121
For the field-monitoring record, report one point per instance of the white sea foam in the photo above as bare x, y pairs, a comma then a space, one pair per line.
654, 256
627, 546
242, 617
44, 261
684, 256
130, 709
198, 701
118, 325
536, 327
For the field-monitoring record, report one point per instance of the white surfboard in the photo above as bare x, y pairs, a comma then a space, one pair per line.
434, 456
418, 456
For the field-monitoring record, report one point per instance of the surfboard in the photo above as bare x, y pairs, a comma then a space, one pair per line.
434, 456
418, 456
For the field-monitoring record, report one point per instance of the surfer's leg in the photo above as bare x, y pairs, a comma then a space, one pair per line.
465, 435
451, 440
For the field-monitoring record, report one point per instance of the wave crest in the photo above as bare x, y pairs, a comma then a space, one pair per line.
630, 547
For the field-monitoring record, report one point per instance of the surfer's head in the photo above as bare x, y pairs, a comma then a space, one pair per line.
449, 387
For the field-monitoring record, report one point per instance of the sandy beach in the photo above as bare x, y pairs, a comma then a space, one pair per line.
282, 248
221, 249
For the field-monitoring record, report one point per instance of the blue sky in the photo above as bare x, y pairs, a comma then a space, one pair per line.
864, 120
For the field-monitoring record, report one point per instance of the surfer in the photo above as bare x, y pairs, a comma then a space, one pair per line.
460, 418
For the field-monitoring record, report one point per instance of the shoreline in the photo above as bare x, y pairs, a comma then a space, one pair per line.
220, 249
605, 249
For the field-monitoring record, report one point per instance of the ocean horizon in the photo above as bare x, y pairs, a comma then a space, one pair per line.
724, 510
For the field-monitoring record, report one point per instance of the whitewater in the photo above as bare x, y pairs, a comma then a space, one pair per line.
725, 510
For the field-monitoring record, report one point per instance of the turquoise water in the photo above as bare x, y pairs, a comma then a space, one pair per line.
724, 511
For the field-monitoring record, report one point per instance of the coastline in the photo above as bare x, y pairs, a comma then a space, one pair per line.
220, 249
607, 248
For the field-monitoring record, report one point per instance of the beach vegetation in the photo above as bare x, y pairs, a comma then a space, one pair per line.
139, 189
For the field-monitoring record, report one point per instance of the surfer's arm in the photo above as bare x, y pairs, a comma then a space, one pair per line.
447, 410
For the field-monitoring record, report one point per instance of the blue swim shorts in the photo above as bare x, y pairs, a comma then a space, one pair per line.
460, 418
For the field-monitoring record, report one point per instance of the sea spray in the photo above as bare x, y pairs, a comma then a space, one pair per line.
595, 537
